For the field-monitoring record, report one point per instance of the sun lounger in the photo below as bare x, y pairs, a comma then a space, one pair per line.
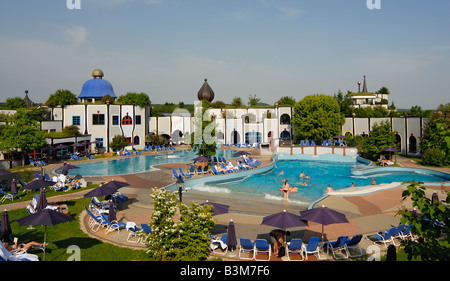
11, 256
112, 225
246, 245
312, 247
386, 237
219, 244
262, 246
354, 244
295, 246
180, 171
339, 245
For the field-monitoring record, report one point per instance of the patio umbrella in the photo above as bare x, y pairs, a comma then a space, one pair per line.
339, 136
66, 167
42, 201
13, 187
231, 237
284, 220
38, 184
324, 216
216, 208
390, 150
242, 153
106, 189
49, 148
201, 159
434, 199
4, 173
111, 212
5, 229
44, 217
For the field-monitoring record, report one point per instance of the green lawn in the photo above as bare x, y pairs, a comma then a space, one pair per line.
61, 236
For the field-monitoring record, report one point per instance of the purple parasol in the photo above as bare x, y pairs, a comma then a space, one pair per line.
5, 229
324, 216
216, 208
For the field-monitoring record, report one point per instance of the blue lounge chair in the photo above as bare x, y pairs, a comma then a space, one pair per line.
261, 246
214, 170
246, 245
133, 231
112, 225
32, 163
175, 175
386, 237
312, 247
295, 246
191, 170
406, 232
329, 142
339, 245
302, 143
205, 170
6, 196
146, 228
182, 174
145, 148
324, 143
136, 152
220, 244
307, 143
354, 243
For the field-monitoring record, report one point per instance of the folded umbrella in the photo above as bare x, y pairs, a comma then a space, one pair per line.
5, 229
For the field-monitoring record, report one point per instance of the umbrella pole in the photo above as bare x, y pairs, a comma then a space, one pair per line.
45, 237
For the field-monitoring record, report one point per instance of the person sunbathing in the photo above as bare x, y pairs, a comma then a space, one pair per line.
24, 247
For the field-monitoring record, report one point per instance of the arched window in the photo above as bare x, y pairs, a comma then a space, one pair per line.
136, 140
285, 135
412, 144
126, 120
285, 119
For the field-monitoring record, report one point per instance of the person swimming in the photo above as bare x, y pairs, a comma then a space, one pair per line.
302, 174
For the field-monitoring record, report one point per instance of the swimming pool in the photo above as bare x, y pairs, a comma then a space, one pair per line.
322, 173
138, 164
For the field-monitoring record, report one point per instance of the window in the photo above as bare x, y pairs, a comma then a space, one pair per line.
99, 142
137, 120
285, 119
76, 120
127, 120
98, 119
285, 135
115, 120
136, 140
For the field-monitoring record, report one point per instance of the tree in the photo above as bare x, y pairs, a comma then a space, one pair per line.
380, 137
118, 142
430, 223
193, 227
218, 104
140, 99
21, 133
316, 117
71, 130
161, 240
345, 103
14, 103
436, 133
286, 101
107, 99
203, 137
236, 102
383, 91
61, 98
253, 100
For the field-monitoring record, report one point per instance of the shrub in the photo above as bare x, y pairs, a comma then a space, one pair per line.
433, 157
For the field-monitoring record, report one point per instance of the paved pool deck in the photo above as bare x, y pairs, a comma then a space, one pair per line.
367, 214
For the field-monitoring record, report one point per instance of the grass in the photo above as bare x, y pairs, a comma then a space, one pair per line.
61, 236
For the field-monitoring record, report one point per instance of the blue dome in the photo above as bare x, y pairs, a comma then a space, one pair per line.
96, 88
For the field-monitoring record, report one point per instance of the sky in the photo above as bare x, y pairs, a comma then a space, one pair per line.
267, 48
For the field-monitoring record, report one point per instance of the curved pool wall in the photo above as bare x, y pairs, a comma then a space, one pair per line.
382, 170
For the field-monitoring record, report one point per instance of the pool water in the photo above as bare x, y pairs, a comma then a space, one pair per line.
138, 164
338, 175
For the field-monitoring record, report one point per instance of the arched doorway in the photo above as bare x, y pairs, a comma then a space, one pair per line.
412, 144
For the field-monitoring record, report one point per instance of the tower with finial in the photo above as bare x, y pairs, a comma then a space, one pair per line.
364, 89
205, 92
27, 100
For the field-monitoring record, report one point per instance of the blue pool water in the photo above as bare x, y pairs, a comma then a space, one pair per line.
137, 164
338, 175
